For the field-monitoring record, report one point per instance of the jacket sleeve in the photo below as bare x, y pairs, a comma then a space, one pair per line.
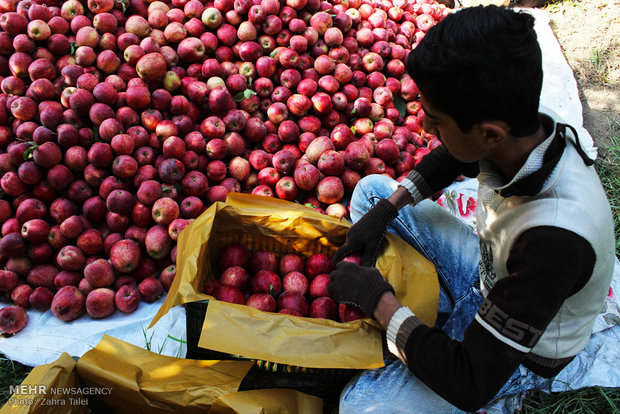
435, 171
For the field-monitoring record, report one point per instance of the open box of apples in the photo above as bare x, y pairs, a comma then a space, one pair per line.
289, 283
263, 265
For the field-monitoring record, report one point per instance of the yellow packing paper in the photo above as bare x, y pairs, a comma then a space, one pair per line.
129, 379
38, 392
269, 401
286, 227
145, 382
286, 338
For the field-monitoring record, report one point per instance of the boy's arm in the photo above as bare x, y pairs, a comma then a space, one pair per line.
437, 170
366, 235
547, 265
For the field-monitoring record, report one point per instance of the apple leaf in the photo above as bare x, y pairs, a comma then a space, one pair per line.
271, 290
400, 105
239, 96
73, 48
29, 153
273, 53
123, 4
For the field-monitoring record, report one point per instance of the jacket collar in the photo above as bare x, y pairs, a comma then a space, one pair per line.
539, 165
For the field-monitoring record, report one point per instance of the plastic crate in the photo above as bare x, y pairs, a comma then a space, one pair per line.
324, 383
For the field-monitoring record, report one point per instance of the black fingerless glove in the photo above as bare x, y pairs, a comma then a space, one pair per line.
366, 235
359, 286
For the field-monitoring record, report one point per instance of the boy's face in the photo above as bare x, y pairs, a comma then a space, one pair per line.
464, 146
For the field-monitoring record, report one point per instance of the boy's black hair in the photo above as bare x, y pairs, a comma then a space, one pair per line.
481, 64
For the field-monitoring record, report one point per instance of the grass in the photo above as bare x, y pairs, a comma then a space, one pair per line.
11, 373
608, 167
593, 400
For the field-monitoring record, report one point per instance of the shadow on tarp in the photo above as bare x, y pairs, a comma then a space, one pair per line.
117, 377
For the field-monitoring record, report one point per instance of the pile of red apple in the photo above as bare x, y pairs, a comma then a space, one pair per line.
123, 120
290, 284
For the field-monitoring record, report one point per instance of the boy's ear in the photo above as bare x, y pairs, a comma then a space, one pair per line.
494, 131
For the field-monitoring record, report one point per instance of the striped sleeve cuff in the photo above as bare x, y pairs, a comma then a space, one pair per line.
397, 319
402, 323
417, 187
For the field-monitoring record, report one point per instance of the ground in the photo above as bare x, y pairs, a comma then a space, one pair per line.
588, 32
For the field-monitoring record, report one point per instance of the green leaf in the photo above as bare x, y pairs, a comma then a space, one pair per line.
123, 4
29, 153
273, 53
400, 105
239, 96
177, 339
73, 48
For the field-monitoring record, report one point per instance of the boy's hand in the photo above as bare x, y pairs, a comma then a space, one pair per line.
357, 285
366, 235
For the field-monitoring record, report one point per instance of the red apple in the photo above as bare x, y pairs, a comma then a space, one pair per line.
262, 301
100, 303
266, 281
318, 263
330, 190
158, 243
12, 319
127, 298
125, 256
318, 286
165, 210
294, 301
324, 308
166, 277
228, 294
348, 313
99, 273
68, 304
150, 289
235, 276
296, 282
263, 259
331, 163
70, 258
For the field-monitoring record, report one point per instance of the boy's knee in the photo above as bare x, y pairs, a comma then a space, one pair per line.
374, 186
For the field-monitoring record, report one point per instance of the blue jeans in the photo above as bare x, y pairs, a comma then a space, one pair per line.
454, 249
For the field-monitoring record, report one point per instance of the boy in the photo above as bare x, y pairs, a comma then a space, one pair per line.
519, 298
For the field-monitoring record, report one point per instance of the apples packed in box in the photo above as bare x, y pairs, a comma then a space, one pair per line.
285, 228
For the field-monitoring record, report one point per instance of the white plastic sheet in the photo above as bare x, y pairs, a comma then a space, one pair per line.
45, 337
